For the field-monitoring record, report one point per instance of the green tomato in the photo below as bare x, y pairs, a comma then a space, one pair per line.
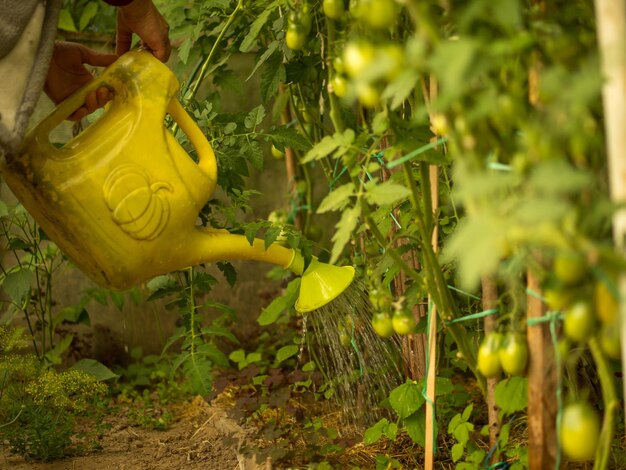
380, 299
338, 65
334, 9
569, 267
368, 94
580, 431
403, 322
558, 298
277, 153
513, 354
488, 362
295, 37
609, 338
382, 324
306, 20
380, 14
339, 86
579, 321
344, 336
606, 305
358, 56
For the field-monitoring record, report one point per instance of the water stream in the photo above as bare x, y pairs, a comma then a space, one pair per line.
363, 370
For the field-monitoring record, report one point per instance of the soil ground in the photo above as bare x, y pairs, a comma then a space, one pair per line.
202, 436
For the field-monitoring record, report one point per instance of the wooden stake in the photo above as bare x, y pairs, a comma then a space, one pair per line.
490, 301
542, 403
611, 21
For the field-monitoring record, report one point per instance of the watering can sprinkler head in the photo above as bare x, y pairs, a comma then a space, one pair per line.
321, 283
121, 199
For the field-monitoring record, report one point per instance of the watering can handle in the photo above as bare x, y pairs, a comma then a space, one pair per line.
206, 157
67, 107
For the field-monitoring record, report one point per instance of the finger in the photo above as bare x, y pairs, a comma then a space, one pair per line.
78, 114
91, 102
161, 48
98, 59
123, 36
103, 95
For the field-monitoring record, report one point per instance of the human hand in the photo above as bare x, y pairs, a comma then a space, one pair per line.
67, 73
142, 18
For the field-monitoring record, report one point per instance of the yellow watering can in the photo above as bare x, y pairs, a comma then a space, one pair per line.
122, 198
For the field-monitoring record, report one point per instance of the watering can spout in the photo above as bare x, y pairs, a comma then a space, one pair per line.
321, 282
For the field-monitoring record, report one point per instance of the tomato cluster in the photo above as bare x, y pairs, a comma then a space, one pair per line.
299, 24
589, 305
388, 317
498, 352
590, 310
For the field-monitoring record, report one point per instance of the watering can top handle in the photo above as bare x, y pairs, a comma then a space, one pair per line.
68, 106
206, 157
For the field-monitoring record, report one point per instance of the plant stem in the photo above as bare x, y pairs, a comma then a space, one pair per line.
437, 286
611, 405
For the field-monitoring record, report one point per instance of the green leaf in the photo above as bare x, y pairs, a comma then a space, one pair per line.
198, 370
75, 314
251, 150
462, 432
271, 313
184, 49
254, 117
229, 272
117, 298
273, 74
271, 48
337, 199
237, 356
254, 357
54, 355
213, 353
345, 228
255, 28
286, 352
289, 137
457, 451
467, 412
386, 193
416, 427
556, 176
512, 394
329, 144
406, 399
375, 432
17, 284
219, 331
66, 22
391, 431
95, 368
160, 282
401, 88
88, 13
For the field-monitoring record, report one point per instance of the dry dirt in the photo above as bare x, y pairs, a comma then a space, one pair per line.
202, 437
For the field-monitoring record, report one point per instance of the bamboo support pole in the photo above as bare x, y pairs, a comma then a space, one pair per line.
432, 332
611, 31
